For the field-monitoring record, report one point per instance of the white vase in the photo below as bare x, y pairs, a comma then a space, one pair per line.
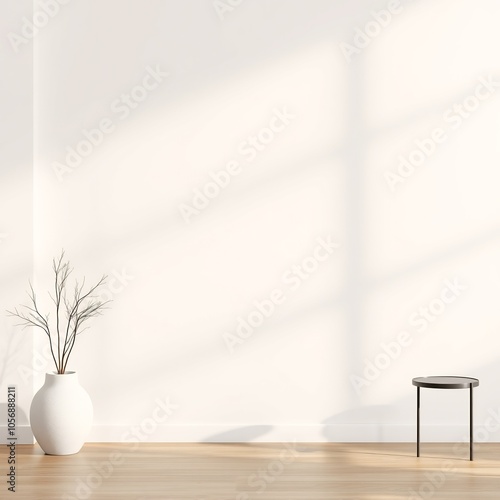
61, 414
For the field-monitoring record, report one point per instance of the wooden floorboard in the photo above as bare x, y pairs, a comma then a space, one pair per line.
267, 471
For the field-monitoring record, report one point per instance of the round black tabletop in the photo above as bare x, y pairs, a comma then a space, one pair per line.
445, 382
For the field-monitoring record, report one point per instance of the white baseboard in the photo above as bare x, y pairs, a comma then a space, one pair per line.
336, 433
23, 434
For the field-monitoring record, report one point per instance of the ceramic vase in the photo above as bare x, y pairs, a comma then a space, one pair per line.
61, 414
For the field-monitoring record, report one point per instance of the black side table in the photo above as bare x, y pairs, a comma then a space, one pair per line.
446, 382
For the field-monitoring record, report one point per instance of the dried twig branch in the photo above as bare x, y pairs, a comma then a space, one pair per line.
82, 307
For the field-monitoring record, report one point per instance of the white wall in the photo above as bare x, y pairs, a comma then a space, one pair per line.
322, 176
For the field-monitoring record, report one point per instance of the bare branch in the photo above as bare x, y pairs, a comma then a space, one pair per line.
29, 322
78, 310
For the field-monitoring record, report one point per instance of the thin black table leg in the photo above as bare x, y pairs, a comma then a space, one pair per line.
418, 421
471, 429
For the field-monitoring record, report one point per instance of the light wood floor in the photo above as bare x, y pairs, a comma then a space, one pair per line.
268, 471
